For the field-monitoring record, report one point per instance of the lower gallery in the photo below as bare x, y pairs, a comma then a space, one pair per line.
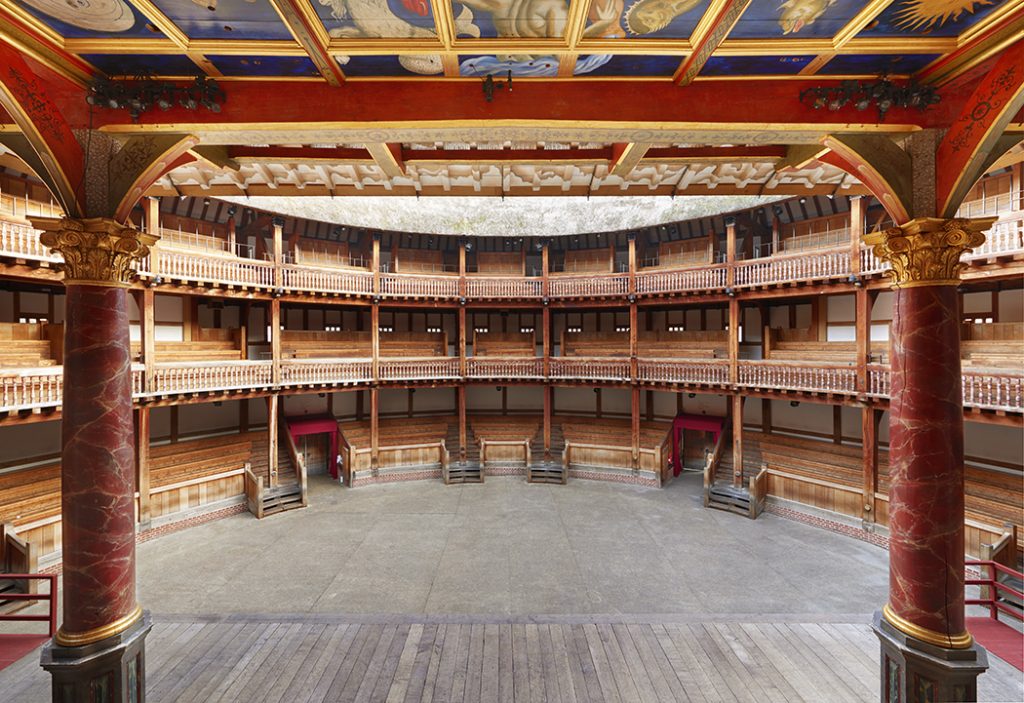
332, 368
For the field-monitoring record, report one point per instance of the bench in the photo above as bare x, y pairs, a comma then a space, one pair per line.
997, 345
504, 344
30, 345
308, 344
210, 345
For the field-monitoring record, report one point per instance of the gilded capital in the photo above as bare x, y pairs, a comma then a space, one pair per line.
97, 251
926, 251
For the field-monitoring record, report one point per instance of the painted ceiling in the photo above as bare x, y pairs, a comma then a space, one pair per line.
373, 39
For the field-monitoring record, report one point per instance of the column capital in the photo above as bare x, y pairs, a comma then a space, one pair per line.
926, 251
97, 251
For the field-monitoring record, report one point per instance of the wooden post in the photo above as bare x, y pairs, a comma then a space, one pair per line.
243, 329
766, 415
856, 231
631, 239
837, 424
272, 438
231, 235
635, 427
869, 419
147, 320
174, 423
597, 403
546, 340
409, 395
275, 338
544, 269
375, 340
737, 440
633, 340
462, 339
461, 402
504, 400
359, 406
152, 227
278, 250
547, 422
863, 300
375, 263
650, 406
734, 340
374, 428
819, 318
462, 269
142, 462
776, 227
243, 415
730, 251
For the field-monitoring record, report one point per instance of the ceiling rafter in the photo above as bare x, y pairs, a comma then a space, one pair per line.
868, 13
309, 32
627, 157
174, 34
709, 35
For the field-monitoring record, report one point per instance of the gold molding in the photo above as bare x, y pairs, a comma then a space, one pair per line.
960, 641
80, 639
926, 251
870, 11
97, 251
162, 22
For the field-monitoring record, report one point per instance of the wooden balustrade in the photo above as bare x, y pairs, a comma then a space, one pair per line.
582, 368
1004, 237
504, 367
994, 391
22, 389
796, 376
688, 280
322, 280
504, 452
592, 286
806, 266
683, 371
879, 380
504, 287
21, 240
303, 372
227, 270
221, 375
869, 263
419, 286
419, 369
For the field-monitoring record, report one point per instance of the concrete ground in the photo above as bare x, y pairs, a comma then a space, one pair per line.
506, 547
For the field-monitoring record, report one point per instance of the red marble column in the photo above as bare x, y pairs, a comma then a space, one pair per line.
97, 472
926, 456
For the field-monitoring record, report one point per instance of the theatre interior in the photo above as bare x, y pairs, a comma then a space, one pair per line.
549, 350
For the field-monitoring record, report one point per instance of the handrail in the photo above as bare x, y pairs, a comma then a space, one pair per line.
50, 617
993, 588
254, 492
713, 458
757, 488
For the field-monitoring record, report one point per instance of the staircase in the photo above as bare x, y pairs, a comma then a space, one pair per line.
547, 471
285, 496
719, 489
265, 499
457, 471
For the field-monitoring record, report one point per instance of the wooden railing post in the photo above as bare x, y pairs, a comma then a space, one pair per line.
545, 269
737, 440
375, 264
374, 429
863, 300
856, 231
547, 421
278, 250
272, 439
869, 420
461, 401
142, 463
734, 340
275, 339
635, 427
462, 337
730, 251
631, 239
147, 322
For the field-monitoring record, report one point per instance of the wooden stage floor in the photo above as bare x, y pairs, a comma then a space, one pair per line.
331, 658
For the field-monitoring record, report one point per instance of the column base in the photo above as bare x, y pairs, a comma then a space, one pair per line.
917, 672
112, 670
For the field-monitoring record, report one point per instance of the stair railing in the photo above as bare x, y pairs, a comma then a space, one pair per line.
995, 588
18, 556
254, 492
713, 458
297, 461
757, 487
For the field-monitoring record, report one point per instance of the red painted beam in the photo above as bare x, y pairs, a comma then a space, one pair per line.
713, 103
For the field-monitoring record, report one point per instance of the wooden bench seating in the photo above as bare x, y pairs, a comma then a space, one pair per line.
395, 432
30, 345
994, 345
803, 345
304, 344
494, 428
660, 344
192, 459
506, 344
612, 432
589, 261
28, 495
991, 497
211, 345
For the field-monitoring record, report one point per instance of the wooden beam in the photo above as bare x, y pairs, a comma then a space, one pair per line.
625, 157
272, 405
309, 32
869, 420
388, 158
374, 428
142, 463
737, 440
708, 36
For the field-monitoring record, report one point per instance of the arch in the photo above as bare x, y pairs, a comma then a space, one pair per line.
138, 165
877, 162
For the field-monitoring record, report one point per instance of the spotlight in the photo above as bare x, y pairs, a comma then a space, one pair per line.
794, 403
206, 202
691, 395
232, 211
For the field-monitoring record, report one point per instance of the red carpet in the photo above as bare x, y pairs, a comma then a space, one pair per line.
998, 638
14, 647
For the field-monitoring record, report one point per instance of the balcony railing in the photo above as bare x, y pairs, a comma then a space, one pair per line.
1004, 237
22, 241
23, 389
806, 266
993, 391
419, 286
797, 376
187, 266
480, 287
592, 286
700, 372
691, 280
504, 367
306, 372
587, 369
322, 280
419, 369
991, 205
185, 377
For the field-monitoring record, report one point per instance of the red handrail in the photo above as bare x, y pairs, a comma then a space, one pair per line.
51, 617
995, 587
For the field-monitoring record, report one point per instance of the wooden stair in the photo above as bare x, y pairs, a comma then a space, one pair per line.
547, 471
469, 471
287, 496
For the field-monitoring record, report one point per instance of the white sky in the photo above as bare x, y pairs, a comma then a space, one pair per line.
520, 216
